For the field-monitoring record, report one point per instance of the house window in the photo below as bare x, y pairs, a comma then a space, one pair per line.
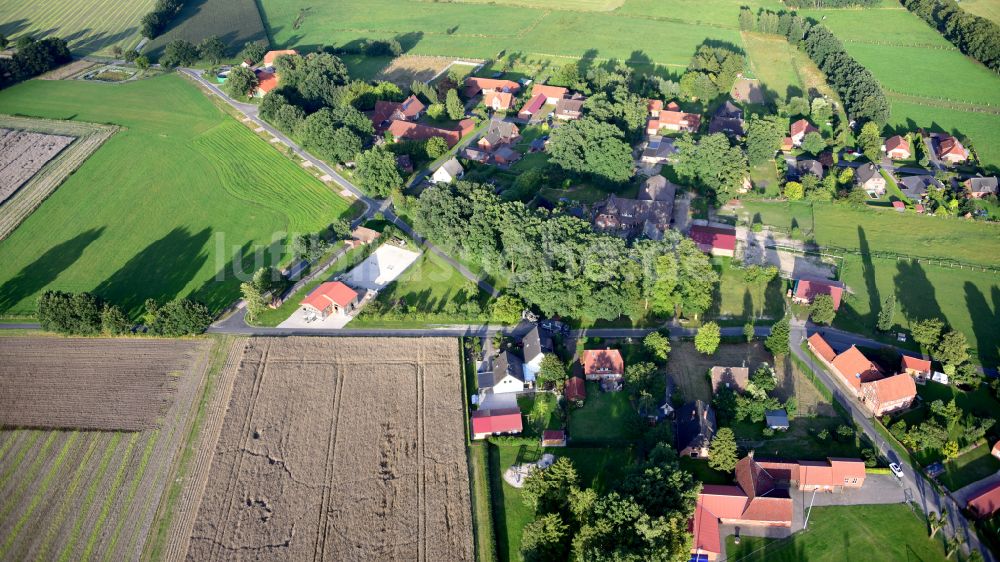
694, 454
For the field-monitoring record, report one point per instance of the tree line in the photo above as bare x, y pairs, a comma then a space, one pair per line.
830, 3
156, 21
33, 58
975, 36
559, 264
85, 314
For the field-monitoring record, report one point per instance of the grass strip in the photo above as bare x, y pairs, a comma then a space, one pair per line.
37, 498
109, 450
110, 497
482, 516
70, 493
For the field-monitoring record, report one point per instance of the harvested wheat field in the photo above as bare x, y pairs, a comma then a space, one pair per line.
22, 154
340, 449
404, 69
72, 494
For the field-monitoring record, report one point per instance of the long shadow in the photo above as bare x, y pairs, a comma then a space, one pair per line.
44, 270
219, 292
915, 292
868, 270
984, 323
748, 309
161, 270
499, 510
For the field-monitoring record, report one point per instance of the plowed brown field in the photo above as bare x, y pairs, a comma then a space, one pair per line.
76, 494
340, 449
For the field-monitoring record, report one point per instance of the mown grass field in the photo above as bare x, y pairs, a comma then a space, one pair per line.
894, 532
90, 26
664, 33
771, 62
982, 128
234, 21
989, 9
163, 207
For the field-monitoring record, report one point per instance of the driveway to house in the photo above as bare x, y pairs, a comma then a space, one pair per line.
877, 489
915, 487
932, 154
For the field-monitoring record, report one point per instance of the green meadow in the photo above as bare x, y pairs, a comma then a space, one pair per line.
89, 26
163, 207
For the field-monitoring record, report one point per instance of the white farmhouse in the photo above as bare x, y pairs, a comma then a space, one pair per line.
507, 375
448, 172
536, 343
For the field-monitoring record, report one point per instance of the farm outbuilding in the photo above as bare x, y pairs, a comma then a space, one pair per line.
332, 297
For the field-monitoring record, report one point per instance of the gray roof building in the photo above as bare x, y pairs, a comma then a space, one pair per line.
537, 341
695, 426
916, 187
506, 364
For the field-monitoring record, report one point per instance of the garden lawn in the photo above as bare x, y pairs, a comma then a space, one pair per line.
163, 207
771, 61
703, 473
541, 412
606, 417
737, 301
801, 441
966, 299
968, 468
894, 532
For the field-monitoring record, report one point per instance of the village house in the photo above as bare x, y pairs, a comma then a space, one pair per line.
879, 393
732, 378
979, 187
805, 166
552, 93
915, 187
605, 366
650, 215
714, 240
447, 172
670, 118
498, 101
568, 109
897, 148
498, 421
532, 107
727, 119
409, 131
576, 390
476, 155
505, 156
951, 150
868, 178
499, 133
386, 112
786, 144
362, 236
332, 297
916, 367
267, 81
695, 429
474, 85
506, 375
658, 150
889, 394
535, 344
271, 56
805, 290
986, 503
799, 130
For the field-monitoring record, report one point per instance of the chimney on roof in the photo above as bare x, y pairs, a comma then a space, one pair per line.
750, 454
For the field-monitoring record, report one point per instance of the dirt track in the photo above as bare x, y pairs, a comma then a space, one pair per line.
340, 449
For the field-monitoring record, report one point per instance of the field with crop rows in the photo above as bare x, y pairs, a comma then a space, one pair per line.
90, 26
73, 494
23, 154
164, 206
234, 21
340, 449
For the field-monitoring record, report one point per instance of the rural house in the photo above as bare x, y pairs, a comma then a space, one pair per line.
505, 156
657, 150
499, 421
870, 179
387, 111
950, 149
650, 215
727, 119
473, 86
979, 187
507, 375
266, 82
576, 389
569, 109
448, 172
805, 290
889, 394
897, 148
916, 367
332, 297
714, 240
805, 166
536, 343
915, 187
605, 366
671, 119
532, 107
799, 130
854, 368
409, 131
499, 133
986, 503
498, 101
552, 93
695, 429
271, 56
733, 378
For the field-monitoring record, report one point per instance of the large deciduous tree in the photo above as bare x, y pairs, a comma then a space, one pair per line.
377, 171
588, 146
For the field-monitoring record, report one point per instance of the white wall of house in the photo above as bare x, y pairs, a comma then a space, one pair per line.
441, 176
508, 384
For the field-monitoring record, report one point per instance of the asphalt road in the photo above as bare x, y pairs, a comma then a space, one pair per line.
916, 488
372, 206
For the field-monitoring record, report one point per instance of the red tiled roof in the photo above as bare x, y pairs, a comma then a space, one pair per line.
891, 389
855, 368
498, 100
986, 503
996, 449
809, 289
411, 107
898, 205
897, 143
267, 81
271, 56
603, 362
331, 292
916, 364
821, 348
475, 85
548, 91
713, 238
672, 106
534, 104
771, 510
553, 435
466, 126
576, 389
654, 106
802, 127
407, 130
948, 145
847, 468
383, 111
501, 420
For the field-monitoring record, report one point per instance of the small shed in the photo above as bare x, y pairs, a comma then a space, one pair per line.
777, 419
554, 438
576, 390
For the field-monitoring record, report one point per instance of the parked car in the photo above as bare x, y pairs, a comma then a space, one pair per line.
896, 470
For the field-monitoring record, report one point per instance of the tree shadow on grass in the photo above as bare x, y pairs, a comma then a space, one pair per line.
985, 323
915, 292
159, 271
44, 270
868, 270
